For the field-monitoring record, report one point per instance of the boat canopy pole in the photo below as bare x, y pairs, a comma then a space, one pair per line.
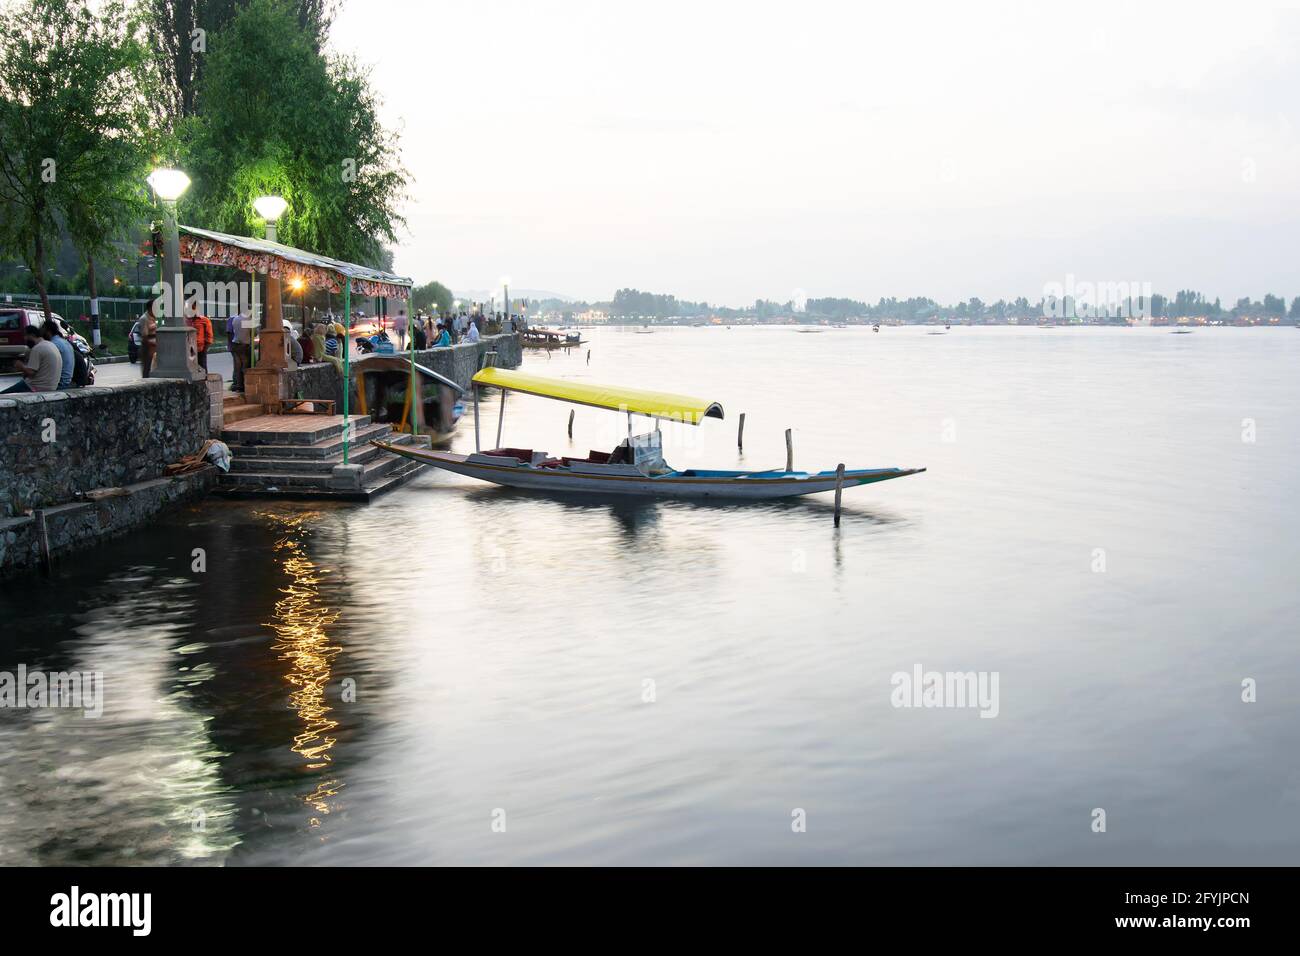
414, 401
476, 442
501, 418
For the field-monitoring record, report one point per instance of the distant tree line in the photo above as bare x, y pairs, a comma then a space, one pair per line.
632, 305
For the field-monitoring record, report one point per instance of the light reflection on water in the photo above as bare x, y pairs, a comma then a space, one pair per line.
302, 620
500, 643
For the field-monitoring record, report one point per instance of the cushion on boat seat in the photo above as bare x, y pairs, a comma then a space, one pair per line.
598, 457
523, 454
553, 463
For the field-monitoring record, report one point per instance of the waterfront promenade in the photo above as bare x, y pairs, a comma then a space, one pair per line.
80, 466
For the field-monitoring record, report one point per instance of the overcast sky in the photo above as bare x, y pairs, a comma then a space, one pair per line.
731, 151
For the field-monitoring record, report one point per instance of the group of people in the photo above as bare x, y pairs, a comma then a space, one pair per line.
435, 331
53, 362
317, 342
148, 329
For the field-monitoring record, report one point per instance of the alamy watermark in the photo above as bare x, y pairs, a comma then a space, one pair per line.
216, 300
1073, 299
941, 689
23, 689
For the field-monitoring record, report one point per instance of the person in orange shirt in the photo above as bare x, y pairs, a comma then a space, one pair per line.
202, 327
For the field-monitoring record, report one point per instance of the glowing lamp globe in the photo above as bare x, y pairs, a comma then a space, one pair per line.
270, 208
169, 183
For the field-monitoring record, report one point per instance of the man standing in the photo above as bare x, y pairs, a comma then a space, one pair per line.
67, 357
239, 350
399, 326
202, 327
148, 339
43, 367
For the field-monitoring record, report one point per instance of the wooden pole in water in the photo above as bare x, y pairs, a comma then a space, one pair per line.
588, 356
789, 449
477, 447
42, 540
571, 423
839, 490
740, 433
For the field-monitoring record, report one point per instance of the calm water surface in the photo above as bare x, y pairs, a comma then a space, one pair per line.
625, 682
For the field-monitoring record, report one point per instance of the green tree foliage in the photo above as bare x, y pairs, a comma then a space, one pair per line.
180, 31
74, 127
432, 295
275, 115
633, 302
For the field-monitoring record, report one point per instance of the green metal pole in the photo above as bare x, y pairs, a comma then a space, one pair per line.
347, 359
417, 407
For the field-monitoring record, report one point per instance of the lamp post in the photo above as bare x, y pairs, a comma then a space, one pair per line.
266, 381
505, 296
169, 185
177, 355
270, 208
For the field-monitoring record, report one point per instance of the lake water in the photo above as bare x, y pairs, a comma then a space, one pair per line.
458, 674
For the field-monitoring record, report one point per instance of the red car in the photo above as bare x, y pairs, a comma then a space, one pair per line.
14, 319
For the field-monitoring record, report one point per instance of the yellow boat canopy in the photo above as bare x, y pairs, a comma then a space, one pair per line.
665, 405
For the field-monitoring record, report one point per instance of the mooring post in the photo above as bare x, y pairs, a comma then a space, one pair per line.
789, 449
588, 356
571, 423
42, 539
839, 490
740, 433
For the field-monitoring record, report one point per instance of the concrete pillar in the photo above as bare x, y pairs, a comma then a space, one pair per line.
275, 347
178, 354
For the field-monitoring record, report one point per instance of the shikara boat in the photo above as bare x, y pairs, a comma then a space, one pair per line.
551, 339
636, 466
380, 389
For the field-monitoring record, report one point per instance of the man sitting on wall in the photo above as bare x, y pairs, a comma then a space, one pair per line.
43, 367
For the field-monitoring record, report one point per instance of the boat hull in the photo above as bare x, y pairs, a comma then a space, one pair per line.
737, 486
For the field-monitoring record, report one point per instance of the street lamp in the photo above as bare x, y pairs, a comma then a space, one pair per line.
298, 285
176, 355
270, 208
168, 185
505, 295
273, 347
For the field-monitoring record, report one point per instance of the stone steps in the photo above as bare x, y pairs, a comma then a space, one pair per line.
359, 452
327, 448
233, 413
265, 431
254, 473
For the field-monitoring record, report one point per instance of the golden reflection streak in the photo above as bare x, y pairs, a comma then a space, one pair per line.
301, 622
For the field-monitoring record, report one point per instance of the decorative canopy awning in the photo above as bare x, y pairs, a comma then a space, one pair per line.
286, 262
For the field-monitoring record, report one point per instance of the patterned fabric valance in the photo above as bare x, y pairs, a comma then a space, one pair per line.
287, 263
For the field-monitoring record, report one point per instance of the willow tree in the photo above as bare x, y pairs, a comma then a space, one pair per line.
180, 31
277, 115
74, 127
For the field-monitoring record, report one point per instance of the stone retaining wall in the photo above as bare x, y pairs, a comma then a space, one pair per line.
55, 445
457, 362
70, 527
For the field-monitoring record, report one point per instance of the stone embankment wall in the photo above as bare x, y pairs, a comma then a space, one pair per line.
57, 446
458, 363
